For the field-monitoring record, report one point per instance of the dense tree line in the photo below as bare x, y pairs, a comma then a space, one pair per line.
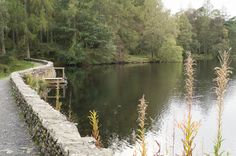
203, 31
91, 31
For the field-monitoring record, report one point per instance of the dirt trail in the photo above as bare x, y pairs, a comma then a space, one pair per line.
14, 136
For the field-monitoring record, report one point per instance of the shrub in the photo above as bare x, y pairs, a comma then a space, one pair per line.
37, 84
4, 68
170, 52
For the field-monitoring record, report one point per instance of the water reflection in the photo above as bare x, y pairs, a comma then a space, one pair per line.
55, 94
114, 91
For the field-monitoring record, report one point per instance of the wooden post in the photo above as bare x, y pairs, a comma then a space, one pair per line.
63, 73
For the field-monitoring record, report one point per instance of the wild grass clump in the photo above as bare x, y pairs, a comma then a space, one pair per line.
31, 81
188, 126
142, 107
94, 122
222, 78
39, 85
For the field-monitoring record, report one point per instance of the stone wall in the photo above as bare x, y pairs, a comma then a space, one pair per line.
50, 129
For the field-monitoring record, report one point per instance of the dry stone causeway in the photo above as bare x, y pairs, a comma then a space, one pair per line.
55, 135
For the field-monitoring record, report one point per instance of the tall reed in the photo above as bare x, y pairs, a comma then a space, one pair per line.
94, 122
58, 103
70, 109
222, 78
189, 127
142, 107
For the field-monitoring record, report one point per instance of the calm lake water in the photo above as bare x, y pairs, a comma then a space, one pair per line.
114, 91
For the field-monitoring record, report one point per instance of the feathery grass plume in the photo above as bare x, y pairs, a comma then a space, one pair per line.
142, 107
222, 78
188, 126
94, 122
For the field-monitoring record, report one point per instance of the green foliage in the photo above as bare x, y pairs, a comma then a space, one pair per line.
4, 17
4, 68
231, 27
37, 84
31, 81
170, 52
204, 31
88, 31
10, 64
202, 56
93, 34
185, 35
137, 59
158, 28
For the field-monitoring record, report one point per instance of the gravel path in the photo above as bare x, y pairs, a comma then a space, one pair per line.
14, 137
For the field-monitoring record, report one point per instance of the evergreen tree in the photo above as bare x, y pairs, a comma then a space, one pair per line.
4, 19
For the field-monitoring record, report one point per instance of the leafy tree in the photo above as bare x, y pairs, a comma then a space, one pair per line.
16, 20
231, 27
185, 35
209, 33
170, 52
91, 31
159, 26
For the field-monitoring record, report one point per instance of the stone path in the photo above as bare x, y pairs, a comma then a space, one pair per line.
14, 136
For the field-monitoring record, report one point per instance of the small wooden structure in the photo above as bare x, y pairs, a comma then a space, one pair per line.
58, 82
52, 82
62, 94
62, 69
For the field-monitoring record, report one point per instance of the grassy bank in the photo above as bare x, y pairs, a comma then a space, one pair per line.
147, 59
200, 57
13, 65
138, 59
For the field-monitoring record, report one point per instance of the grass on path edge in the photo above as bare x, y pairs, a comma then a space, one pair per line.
16, 65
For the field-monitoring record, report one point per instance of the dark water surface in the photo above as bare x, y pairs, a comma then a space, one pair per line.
114, 92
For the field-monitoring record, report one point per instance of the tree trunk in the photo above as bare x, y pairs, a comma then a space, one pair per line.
26, 37
3, 42
51, 36
75, 33
25, 7
17, 38
47, 33
41, 36
28, 50
14, 39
